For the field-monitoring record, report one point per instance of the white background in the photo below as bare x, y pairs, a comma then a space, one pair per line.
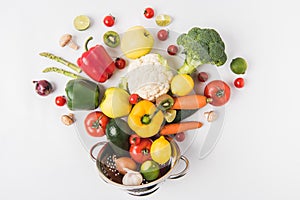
257, 156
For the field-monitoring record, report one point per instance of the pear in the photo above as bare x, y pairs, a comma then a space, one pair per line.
115, 102
136, 42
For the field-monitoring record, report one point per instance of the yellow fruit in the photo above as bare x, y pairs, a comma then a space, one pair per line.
170, 115
161, 150
182, 84
115, 103
163, 20
136, 42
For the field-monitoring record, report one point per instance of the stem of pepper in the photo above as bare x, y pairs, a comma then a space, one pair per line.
146, 119
86, 43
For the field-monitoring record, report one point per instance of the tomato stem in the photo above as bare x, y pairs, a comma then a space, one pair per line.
97, 124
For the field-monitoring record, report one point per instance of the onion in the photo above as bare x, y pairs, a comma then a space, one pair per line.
43, 87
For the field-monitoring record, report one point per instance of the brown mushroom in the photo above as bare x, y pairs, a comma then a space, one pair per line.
68, 119
66, 39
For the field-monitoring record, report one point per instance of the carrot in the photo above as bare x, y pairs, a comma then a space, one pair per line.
179, 127
190, 102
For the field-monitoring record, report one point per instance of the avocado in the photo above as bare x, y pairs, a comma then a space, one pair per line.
118, 133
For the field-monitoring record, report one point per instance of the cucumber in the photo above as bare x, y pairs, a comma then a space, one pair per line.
183, 114
118, 133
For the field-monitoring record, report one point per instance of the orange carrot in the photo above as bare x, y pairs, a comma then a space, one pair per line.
179, 127
190, 102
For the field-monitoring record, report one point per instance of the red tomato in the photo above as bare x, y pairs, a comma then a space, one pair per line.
95, 123
109, 20
60, 100
120, 63
133, 99
149, 13
134, 139
239, 82
141, 152
219, 91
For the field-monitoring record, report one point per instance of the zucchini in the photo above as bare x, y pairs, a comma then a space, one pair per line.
183, 114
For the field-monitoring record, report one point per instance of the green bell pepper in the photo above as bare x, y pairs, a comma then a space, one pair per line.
82, 94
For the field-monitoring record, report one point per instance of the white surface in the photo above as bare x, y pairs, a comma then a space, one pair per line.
258, 154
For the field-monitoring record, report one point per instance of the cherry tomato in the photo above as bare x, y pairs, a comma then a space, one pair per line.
162, 34
95, 123
202, 76
218, 91
180, 136
149, 13
239, 82
134, 139
60, 100
120, 63
109, 20
172, 50
141, 152
133, 99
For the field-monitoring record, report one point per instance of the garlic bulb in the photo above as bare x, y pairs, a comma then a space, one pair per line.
132, 178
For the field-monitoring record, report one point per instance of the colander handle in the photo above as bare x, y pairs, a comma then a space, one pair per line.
94, 147
184, 171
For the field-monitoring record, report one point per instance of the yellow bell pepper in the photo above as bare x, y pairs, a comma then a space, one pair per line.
145, 119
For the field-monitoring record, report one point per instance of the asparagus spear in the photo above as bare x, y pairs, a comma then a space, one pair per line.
62, 71
61, 60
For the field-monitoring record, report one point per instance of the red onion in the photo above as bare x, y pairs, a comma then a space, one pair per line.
43, 87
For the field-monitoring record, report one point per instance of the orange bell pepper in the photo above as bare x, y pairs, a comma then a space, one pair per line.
145, 119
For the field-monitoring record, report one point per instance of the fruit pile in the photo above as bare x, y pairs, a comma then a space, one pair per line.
148, 108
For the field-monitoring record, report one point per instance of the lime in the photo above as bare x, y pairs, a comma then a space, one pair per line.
170, 115
182, 84
81, 22
161, 150
150, 170
238, 65
163, 20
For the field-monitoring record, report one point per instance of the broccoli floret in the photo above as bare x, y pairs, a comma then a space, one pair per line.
201, 46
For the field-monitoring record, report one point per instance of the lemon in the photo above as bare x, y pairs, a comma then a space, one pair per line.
182, 84
161, 150
170, 115
115, 103
163, 20
81, 22
238, 65
150, 170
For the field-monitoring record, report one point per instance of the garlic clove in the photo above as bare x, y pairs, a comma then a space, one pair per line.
211, 116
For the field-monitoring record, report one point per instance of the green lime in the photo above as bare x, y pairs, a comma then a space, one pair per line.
163, 20
81, 22
238, 65
150, 170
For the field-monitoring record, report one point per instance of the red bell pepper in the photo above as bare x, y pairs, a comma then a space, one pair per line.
140, 148
97, 63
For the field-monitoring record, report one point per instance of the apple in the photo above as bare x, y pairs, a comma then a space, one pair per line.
136, 42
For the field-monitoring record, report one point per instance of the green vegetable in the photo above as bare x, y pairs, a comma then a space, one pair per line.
61, 60
183, 114
61, 71
201, 46
238, 65
118, 133
82, 94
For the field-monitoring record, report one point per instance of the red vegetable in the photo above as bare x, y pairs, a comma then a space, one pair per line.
134, 139
97, 63
140, 151
133, 99
239, 82
60, 100
149, 13
219, 91
109, 20
95, 123
120, 63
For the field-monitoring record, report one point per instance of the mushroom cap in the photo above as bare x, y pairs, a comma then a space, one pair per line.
65, 39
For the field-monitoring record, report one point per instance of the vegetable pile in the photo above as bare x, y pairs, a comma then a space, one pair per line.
150, 105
